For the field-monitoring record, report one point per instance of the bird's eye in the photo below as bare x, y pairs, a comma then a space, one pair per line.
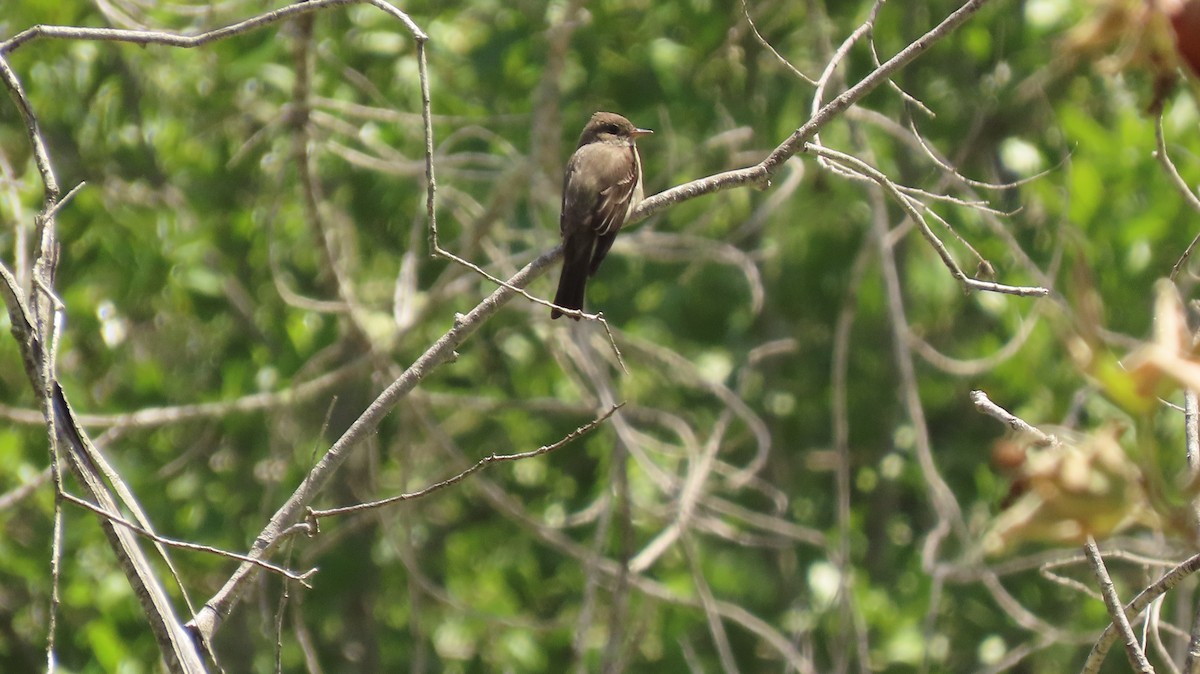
611, 128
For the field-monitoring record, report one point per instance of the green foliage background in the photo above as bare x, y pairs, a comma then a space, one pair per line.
192, 196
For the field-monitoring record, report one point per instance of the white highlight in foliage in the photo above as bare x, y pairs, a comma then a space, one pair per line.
824, 580
113, 326
1045, 14
1021, 157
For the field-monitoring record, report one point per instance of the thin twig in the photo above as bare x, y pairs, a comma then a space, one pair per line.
56, 546
975, 367
1153, 631
906, 203
185, 545
152, 417
848, 611
41, 157
699, 469
984, 404
427, 122
316, 515
836, 58
1191, 662
1180, 185
949, 512
326, 230
1069, 583
14, 496
763, 41
708, 602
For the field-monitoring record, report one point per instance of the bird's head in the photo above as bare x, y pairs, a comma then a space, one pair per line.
609, 127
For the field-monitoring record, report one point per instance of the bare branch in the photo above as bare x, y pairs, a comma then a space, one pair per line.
1136, 657
1165, 583
760, 174
170, 39
442, 351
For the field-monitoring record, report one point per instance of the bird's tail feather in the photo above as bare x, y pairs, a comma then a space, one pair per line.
571, 285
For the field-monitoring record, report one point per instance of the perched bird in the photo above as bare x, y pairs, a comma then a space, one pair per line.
602, 186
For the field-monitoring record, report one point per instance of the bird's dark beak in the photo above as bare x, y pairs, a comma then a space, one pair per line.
641, 132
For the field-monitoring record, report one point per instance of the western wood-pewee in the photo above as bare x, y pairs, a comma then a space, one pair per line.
603, 185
